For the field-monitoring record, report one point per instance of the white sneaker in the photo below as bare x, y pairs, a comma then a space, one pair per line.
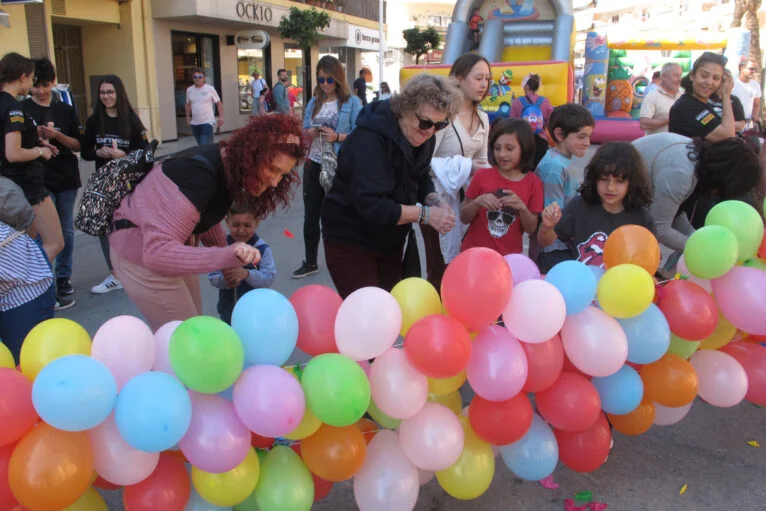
108, 284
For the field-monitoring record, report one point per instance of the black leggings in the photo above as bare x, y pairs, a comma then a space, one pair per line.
313, 194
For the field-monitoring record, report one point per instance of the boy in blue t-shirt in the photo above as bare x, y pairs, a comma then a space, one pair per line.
570, 127
235, 282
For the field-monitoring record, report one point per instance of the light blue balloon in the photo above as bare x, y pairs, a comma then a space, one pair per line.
576, 283
535, 456
598, 271
620, 392
197, 503
648, 335
74, 393
153, 412
267, 325
228, 394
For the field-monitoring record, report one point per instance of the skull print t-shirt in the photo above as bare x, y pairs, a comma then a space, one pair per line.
501, 230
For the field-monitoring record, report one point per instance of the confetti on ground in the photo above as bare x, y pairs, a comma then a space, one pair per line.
683, 489
548, 483
584, 496
597, 506
571, 505
289, 234
753, 443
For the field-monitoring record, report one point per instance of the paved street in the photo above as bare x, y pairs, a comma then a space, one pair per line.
708, 451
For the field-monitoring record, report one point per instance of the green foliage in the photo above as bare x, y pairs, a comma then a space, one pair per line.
420, 42
303, 26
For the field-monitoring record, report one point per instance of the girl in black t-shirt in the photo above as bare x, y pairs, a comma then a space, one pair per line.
22, 152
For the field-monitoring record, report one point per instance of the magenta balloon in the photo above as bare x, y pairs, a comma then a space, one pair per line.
433, 438
741, 298
125, 345
387, 479
535, 312
116, 461
398, 389
216, 440
269, 400
669, 415
161, 344
497, 369
522, 268
722, 380
594, 342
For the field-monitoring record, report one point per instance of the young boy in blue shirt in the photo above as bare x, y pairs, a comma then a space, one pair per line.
235, 282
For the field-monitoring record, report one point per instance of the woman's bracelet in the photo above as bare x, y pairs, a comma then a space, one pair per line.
427, 210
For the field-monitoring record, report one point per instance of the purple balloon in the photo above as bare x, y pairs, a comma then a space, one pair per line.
497, 369
741, 298
216, 440
522, 268
269, 400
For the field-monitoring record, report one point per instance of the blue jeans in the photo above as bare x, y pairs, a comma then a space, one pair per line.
16, 323
203, 133
64, 202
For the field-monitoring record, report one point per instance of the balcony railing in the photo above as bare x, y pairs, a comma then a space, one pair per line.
368, 9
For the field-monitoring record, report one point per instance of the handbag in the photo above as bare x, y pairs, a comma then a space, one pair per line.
329, 164
411, 259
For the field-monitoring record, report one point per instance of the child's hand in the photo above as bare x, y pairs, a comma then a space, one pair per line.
513, 201
489, 201
551, 215
246, 253
235, 276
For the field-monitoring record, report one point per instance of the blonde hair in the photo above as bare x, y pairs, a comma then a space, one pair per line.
441, 93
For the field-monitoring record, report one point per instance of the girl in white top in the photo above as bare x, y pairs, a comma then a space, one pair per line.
460, 149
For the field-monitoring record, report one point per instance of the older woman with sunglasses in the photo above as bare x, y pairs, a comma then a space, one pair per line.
382, 184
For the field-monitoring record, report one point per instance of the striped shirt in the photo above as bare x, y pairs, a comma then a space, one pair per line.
24, 270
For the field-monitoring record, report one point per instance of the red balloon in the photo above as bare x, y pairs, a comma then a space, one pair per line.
102, 483
261, 442
167, 488
316, 307
691, 312
438, 346
476, 287
7, 501
17, 413
762, 248
570, 404
752, 357
545, 361
587, 450
321, 487
500, 422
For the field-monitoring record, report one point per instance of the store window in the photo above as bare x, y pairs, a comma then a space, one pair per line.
294, 64
190, 51
248, 61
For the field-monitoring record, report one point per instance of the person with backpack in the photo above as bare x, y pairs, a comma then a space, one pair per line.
113, 131
534, 109
279, 91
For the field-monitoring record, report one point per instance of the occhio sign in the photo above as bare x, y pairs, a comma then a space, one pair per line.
254, 11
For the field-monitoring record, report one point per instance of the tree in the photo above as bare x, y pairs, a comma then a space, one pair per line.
749, 8
304, 26
419, 43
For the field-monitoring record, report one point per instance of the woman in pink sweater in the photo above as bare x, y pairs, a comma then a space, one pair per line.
158, 228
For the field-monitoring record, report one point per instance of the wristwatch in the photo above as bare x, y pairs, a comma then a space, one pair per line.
39, 150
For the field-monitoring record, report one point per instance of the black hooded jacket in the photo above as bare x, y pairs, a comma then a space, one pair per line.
378, 171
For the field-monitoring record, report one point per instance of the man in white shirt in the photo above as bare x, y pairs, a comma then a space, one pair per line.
200, 114
259, 88
748, 90
655, 109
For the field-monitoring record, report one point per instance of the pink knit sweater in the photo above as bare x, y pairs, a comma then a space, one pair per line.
162, 242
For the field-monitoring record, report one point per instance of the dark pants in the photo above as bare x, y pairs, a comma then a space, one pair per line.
313, 194
64, 202
16, 323
547, 260
203, 133
104, 240
435, 265
352, 268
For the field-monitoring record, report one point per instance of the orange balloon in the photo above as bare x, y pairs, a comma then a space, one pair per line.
368, 429
636, 422
50, 469
334, 454
670, 381
632, 244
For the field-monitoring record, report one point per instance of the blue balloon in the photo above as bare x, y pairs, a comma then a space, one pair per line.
153, 412
620, 392
648, 335
535, 456
576, 283
598, 271
197, 503
267, 325
74, 393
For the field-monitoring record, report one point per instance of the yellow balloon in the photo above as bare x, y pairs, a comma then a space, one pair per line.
724, 333
90, 501
308, 426
625, 291
472, 473
453, 400
417, 298
441, 386
52, 339
6, 359
229, 488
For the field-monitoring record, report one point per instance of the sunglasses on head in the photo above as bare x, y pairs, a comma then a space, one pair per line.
330, 80
427, 124
709, 56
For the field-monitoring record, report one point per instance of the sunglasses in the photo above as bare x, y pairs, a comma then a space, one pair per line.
709, 56
752, 69
321, 80
427, 124
196, 77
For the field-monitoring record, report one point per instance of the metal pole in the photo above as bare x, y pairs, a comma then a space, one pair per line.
381, 50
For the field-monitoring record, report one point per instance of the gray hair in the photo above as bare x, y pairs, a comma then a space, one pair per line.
666, 67
425, 89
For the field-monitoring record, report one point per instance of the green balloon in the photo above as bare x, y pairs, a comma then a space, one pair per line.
381, 418
206, 354
337, 390
249, 504
743, 221
755, 263
285, 483
682, 347
711, 252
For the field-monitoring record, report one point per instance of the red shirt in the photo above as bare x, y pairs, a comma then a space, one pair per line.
501, 230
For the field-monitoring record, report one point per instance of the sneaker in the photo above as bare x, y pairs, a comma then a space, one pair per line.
305, 270
108, 284
63, 302
63, 287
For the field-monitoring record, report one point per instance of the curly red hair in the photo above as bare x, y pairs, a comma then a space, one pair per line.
258, 143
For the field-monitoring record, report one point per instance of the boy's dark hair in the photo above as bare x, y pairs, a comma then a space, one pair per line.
570, 118
533, 82
45, 73
656, 75
198, 70
619, 159
13, 66
239, 209
525, 136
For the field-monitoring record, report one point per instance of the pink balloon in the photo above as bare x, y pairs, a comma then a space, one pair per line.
216, 440
741, 298
399, 390
367, 324
497, 369
269, 400
522, 268
161, 343
387, 479
752, 357
722, 380
116, 461
536, 311
366, 366
125, 345
594, 342
433, 438
425, 476
683, 270
669, 415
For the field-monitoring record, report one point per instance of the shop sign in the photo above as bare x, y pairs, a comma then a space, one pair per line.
254, 11
363, 38
252, 40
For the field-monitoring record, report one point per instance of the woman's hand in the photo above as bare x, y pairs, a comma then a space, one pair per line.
551, 215
247, 254
489, 201
441, 219
329, 134
512, 200
104, 153
235, 276
727, 84
53, 149
117, 153
312, 132
45, 153
47, 132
